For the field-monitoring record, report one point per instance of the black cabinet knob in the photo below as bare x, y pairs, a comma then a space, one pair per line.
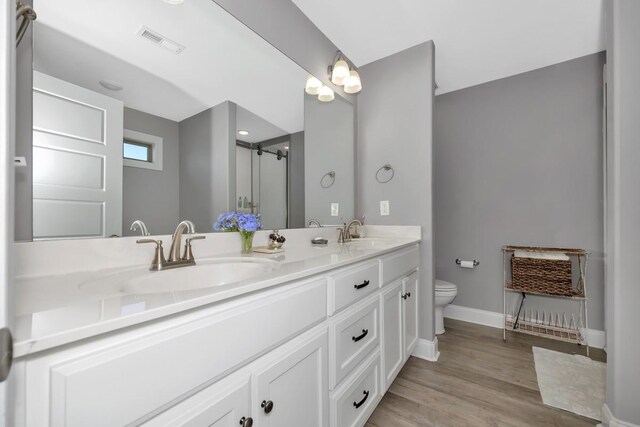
267, 406
246, 422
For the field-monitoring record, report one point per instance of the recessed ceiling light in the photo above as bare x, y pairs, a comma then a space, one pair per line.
243, 132
174, 1
286, 147
108, 84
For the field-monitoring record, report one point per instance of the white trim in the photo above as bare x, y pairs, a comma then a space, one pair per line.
156, 143
427, 350
595, 337
7, 174
609, 420
474, 315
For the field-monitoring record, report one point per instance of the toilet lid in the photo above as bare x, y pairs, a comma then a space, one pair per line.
441, 285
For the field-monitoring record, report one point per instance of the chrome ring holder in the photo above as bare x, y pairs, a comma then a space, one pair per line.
332, 178
387, 167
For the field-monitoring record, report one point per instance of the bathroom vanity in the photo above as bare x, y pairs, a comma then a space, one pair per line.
314, 340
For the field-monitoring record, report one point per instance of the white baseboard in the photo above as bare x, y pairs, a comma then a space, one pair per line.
609, 420
427, 350
595, 337
474, 315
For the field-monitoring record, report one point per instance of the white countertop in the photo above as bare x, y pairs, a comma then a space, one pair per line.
54, 309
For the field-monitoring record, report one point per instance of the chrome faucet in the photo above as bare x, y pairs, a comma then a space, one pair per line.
139, 225
175, 260
314, 222
345, 234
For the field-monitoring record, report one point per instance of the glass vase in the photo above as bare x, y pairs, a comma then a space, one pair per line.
247, 241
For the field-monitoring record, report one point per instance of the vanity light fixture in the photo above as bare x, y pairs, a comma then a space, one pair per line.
243, 132
341, 74
325, 94
313, 86
353, 84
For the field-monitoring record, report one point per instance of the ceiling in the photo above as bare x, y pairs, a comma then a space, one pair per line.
258, 128
476, 40
223, 59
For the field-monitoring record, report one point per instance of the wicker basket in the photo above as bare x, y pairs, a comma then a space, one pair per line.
544, 276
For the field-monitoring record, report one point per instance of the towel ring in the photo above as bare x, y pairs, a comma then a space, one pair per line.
387, 168
332, 177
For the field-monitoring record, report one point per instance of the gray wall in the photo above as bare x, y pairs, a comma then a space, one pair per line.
206, 189
395, 114
24, 138
152, 195
296, 181
623, 210
519, 161
329, 133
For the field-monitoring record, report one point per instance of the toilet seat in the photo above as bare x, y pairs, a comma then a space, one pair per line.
445, 287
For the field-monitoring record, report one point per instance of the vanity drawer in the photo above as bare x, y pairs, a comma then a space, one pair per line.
119, 384
354, 403
353, 336
352, 285
399, 264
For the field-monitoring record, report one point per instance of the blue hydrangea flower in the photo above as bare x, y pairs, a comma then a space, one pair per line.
234, 221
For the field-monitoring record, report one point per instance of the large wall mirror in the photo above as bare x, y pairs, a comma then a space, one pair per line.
157, 112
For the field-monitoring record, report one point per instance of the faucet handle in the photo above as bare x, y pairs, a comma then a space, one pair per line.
158, 258
340, 235
188, 254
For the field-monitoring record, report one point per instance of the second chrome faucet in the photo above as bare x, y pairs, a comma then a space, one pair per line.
175, 260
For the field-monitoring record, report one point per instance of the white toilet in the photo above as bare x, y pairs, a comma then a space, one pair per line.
445, 293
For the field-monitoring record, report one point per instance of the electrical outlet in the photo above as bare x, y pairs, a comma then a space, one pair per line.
384, 207
335, 209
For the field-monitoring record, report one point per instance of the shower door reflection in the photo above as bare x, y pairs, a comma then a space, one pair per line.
262, 182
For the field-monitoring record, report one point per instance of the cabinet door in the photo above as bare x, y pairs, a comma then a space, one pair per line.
410, 297
226, 403
392, 335
293, 391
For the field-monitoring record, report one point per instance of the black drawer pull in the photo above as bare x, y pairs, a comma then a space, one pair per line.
365, 283
364, 399
359, 337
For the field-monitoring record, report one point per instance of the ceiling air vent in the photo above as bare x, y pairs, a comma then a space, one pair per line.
160, 40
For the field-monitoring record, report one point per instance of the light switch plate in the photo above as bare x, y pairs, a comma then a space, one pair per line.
384, 207
335, 209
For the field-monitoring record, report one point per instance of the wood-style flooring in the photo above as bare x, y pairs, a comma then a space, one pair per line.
479, 380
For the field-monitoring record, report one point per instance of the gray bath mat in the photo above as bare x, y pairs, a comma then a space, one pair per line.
571, 382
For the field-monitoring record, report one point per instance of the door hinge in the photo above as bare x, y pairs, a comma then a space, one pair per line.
6, 353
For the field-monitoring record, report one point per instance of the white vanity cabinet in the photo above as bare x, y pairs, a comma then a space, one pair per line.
399, 301
410, 315
291, 387
287, 388
226, 403
317, 352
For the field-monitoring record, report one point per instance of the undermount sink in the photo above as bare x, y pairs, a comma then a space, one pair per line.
374, 243
205, 274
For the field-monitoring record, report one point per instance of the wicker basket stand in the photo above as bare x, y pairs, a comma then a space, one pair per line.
551, 278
